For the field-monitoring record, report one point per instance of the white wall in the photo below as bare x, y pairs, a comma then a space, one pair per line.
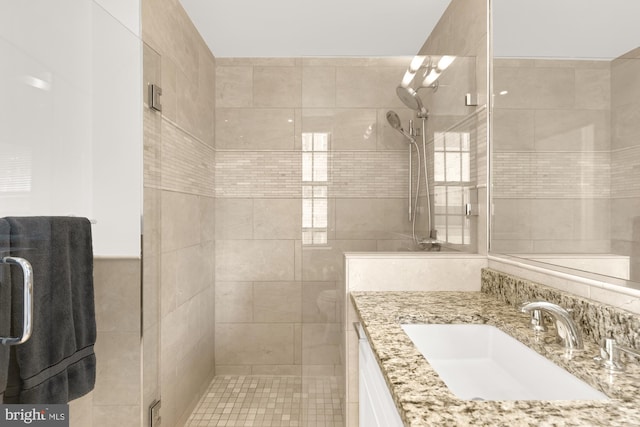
71, 116
117, 136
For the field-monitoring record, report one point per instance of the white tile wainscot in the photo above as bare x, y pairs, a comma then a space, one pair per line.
399, 271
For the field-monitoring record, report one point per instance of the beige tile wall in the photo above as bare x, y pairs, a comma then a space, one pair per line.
179, 222
552, 156
625, 158
118, 351
277, 301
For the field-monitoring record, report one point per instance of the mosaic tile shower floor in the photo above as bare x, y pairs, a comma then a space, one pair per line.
269, 401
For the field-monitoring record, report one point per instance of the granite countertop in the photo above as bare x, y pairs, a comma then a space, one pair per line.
424, 400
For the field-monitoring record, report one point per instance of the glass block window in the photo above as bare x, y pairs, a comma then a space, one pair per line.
315, 176
452, 180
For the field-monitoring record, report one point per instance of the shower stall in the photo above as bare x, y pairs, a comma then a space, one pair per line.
307, 168
311, 171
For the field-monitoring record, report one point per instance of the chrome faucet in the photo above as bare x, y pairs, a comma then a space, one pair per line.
566, 329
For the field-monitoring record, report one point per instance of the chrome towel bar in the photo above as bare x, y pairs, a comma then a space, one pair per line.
27, 300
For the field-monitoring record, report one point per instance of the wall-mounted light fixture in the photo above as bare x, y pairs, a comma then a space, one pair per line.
435, 71
415, 66
427, 68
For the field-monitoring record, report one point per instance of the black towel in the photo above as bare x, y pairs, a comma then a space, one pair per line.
57, 364
5, 304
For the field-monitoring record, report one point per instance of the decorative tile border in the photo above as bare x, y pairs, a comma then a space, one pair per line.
175, 160
547, 175
190, 163
367, 174
625, 172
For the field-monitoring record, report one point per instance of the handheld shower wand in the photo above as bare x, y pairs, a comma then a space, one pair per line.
394, 121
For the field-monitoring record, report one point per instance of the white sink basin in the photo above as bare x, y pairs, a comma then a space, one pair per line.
480, 362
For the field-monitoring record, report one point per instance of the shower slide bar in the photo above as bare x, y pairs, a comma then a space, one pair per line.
27, 300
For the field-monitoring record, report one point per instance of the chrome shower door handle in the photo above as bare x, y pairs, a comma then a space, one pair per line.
27, 301
410, 183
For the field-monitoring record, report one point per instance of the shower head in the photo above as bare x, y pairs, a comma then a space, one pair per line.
394, 121
412, 100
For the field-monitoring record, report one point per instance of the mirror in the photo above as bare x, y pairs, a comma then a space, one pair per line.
566, 135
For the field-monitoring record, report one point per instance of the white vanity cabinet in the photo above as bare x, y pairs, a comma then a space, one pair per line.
377, 408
